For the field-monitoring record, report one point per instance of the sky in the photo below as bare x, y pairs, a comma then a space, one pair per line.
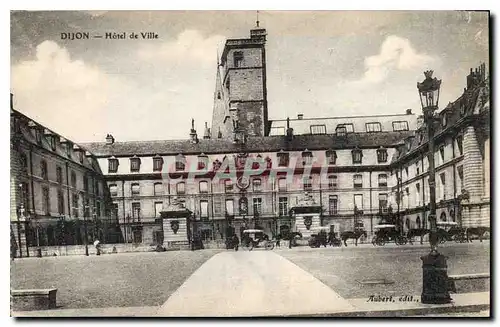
319, 63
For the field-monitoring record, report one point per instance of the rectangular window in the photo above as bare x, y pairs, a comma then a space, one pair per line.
417, 194
460, 144
203, 187
113, 190
382, 202
358, 201
373, 127
357, 156
202, 162
230, 207
114, 211
358, 181
157, 164
238, 59
204, 209
283, 159
333, 204
331, 157
180, 188
283, 207
228, 185
180, 163
73, 179
407, 193
460, 171
98, 209
60, 202
318, 129
158, 189
442, 176
257, 185
307, 158
46, 201
112, 165
43, 170
136, 211
135, 189
332, 182
399, 126
85, 183
257, 206
382, 180
307, 183
135, 164
74, 204
282, 184
382, 155
59, 175
441, 153
418, 170
217, 205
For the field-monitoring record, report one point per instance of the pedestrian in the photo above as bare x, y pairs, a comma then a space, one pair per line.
236, 242
278, 239
97, 245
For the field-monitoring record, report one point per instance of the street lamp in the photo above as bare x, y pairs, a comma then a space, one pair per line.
434, 274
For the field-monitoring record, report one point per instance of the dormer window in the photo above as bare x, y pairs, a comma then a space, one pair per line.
157, 163
357, 156
318, 129
180, 163
238, 59
381, 155
331, 157
112, 165
349, 128
52, 140
444, 120
398, 126
80, 156
373, 127
38, 135
135, 164
341, 131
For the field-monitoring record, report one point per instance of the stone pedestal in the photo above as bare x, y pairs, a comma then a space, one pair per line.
176, 226
306, 216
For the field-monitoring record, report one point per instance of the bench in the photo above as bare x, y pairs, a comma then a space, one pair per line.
34, 299
468, 283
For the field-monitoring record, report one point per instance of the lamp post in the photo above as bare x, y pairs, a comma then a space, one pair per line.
85, 228
434, 268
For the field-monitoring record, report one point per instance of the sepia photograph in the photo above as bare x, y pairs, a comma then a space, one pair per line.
250, 164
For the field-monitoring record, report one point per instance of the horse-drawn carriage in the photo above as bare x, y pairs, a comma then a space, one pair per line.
321, 236
387, 233
449, 231
255, 238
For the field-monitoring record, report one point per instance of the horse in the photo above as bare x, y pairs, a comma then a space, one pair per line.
478, 231
417, 232
350, 234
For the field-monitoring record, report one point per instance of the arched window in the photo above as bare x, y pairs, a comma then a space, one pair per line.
158, 189
419, 223
442, 217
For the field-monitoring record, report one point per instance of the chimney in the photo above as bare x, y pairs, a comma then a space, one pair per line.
300, 116
110, 139
206, 134
193, 136
408, 111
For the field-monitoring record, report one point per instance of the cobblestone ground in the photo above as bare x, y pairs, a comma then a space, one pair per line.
347, 269
116, 280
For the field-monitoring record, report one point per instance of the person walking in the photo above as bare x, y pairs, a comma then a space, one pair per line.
97, 245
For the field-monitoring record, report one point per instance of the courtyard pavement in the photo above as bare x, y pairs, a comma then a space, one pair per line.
297, 282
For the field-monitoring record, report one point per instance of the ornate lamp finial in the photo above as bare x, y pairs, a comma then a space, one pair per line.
428, 73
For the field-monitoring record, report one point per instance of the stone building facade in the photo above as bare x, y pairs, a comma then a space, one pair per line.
57, 191
247, 171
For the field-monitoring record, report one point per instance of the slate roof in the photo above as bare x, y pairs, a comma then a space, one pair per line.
253, 144
454, 111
